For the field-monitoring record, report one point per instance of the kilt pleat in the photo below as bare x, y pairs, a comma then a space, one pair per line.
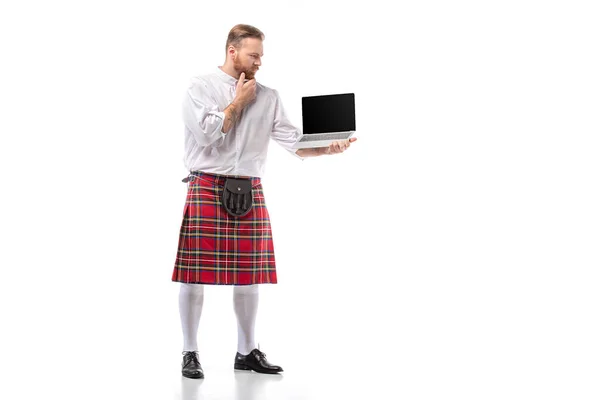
216, 248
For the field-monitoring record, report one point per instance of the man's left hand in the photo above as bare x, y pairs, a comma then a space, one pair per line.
339, 146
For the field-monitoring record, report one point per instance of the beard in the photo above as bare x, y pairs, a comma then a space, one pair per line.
239, 68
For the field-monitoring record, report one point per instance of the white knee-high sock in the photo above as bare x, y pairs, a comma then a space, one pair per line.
245, 304
191, 298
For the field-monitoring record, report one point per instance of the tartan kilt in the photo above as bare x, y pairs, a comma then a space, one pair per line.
216, 248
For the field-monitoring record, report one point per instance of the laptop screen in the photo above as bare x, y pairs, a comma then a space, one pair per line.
328, 113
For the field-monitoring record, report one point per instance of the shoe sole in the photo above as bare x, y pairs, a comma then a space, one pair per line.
242, 367
195, 376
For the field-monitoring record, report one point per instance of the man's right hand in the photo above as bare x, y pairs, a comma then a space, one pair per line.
245, 92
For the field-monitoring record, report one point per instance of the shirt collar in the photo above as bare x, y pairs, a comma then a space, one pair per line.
225, 77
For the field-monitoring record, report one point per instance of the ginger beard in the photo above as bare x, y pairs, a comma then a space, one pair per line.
239, 68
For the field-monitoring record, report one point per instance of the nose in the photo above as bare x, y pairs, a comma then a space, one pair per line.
258, 62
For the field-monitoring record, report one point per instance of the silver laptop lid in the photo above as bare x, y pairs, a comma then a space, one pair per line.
328, 113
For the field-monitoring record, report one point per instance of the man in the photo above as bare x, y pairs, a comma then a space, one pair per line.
229, 119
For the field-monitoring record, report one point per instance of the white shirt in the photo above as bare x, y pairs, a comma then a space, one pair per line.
243, 150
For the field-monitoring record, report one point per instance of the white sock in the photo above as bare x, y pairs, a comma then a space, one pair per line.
245, 305
191, 298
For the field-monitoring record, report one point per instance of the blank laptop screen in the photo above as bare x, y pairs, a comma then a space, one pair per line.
328, 113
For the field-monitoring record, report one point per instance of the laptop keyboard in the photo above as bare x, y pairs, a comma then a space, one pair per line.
329, 136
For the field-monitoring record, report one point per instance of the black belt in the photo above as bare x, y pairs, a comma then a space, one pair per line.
237, 197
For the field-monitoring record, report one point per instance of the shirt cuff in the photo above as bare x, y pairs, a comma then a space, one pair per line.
293, 152
221, 116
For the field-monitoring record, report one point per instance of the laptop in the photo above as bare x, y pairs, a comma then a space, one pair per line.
326, 118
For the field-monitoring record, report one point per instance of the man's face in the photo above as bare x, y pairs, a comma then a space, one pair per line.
248, 57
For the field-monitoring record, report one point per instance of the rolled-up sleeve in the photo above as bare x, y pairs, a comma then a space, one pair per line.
201, 115
284, 132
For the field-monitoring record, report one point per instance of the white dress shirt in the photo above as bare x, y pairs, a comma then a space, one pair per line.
243, 150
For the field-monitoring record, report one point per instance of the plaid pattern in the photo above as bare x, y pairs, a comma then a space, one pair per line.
216, 248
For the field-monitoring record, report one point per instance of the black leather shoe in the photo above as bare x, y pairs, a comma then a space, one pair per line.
255, 361
190, 367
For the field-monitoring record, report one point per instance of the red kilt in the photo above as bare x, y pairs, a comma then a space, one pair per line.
216, 248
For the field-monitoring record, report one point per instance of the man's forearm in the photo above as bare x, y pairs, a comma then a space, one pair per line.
232, 114
312, 152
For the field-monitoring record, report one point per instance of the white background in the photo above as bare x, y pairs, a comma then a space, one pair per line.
452, 252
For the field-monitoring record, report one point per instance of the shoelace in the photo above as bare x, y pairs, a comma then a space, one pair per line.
190, 356
262, 355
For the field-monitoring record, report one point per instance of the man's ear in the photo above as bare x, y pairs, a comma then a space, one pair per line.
231, 51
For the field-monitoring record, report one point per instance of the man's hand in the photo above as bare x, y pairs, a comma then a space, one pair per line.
334, 148
245, 92
339, 146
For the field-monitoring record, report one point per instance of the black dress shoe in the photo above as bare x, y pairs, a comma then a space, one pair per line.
190, 367
255, 361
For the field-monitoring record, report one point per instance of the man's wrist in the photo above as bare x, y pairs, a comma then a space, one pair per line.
322, 151
239, 104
